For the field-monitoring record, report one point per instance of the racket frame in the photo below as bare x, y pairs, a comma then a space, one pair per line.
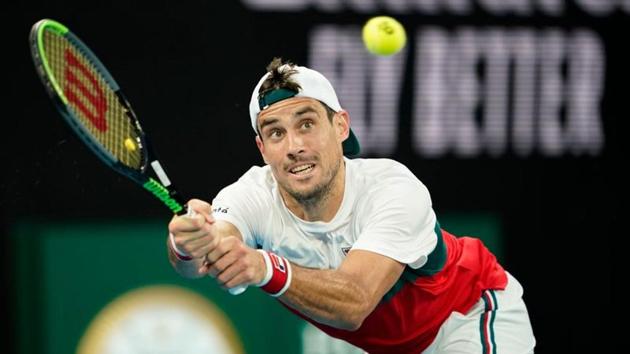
161, 189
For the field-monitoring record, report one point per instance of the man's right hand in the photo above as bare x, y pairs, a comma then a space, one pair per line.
199, 235
195, 236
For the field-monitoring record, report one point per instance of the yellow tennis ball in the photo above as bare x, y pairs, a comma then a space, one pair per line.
383, 35
130, 144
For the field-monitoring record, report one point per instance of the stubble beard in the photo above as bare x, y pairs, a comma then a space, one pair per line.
319, 193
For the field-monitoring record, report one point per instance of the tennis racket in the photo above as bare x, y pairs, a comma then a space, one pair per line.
91, 102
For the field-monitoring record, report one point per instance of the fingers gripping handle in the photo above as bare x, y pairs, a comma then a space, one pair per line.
190, 213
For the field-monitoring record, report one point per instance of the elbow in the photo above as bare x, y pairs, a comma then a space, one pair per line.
356, 312
354, 317
351, 326
351, 323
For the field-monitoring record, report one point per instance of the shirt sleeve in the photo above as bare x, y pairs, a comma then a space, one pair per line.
399, 221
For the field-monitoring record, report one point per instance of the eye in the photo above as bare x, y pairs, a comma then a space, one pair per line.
275, 133
307, 124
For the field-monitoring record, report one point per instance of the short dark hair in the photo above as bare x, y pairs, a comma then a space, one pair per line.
278, 79
282, 80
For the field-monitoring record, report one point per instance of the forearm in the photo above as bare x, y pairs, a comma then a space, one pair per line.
330, 297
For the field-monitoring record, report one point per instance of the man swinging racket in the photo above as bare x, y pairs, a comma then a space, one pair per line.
351, 245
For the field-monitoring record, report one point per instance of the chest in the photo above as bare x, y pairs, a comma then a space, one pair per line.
321, 248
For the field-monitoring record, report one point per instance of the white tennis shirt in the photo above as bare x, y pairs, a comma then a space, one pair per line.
385, 209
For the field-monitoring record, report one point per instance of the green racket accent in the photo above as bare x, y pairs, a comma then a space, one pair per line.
91, 102
89, 94
62, 30
162, 194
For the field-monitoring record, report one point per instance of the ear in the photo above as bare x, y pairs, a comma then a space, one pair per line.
342, 124
261, 147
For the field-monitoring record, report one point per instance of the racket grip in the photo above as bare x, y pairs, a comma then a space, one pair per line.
237, 290
190, 212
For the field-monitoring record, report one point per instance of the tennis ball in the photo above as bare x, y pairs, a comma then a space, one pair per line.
130, 144
383, 35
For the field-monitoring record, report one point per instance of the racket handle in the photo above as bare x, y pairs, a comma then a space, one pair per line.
237, 290
190, 212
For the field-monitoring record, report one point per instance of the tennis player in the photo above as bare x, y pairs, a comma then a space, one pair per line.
351, 245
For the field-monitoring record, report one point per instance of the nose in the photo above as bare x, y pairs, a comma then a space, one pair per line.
296, 145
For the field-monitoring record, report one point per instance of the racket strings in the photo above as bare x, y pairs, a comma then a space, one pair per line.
93, 101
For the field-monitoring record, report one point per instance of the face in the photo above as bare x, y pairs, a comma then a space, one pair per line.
302, 147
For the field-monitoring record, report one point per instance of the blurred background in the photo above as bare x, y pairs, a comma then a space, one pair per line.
509, 112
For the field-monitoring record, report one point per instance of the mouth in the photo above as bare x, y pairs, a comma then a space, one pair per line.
302, 169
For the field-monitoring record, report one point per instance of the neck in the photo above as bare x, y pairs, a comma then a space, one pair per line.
321, 208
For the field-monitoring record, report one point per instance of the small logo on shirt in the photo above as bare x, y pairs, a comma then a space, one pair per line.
345, 250
220, 210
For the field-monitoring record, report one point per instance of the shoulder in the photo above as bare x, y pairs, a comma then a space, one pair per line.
257, 181
386, 181
380, 167
382, 172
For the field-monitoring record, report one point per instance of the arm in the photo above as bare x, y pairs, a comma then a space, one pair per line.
344, 297
341, 298
398, 231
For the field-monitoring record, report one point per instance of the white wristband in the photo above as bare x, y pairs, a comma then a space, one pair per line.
179, 254
278, 275
268, 271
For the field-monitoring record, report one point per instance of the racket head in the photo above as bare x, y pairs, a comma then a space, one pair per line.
89, 99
